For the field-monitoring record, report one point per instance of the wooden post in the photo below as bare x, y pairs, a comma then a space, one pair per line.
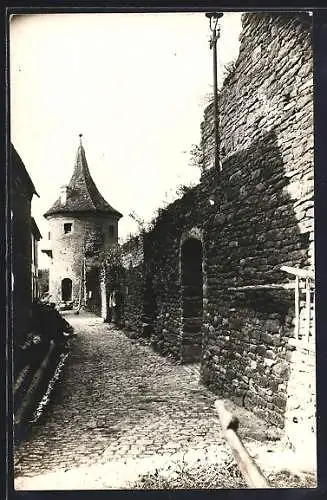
297, 307
250, 471
301, 273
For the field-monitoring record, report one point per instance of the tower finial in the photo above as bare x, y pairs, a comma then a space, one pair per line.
80, 139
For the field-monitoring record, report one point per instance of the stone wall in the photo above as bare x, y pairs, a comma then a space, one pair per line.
253, 218
271, 90
133, 303
247, 234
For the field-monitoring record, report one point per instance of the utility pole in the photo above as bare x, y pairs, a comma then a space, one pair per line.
215, 33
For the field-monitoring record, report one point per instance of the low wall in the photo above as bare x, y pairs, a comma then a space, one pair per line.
247, 235
133, 300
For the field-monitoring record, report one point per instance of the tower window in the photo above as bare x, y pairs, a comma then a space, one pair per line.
49, 235
68, 227
111, 231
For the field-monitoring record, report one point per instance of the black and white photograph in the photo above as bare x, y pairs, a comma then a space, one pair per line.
162, 250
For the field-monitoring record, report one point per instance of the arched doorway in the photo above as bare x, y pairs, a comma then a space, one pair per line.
66, 290
192, 299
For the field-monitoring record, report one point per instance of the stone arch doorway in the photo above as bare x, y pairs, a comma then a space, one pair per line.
66, 290
192, 299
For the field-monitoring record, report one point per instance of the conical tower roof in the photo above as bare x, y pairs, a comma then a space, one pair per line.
82, 195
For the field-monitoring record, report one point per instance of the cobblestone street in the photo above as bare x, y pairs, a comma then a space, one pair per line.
117, 407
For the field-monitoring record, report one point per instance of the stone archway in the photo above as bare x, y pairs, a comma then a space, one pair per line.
192, 299
66, 290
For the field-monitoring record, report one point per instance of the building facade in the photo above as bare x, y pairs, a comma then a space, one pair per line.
80, 222
35, 238
25, 235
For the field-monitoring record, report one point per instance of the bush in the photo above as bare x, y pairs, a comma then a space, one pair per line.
225, 475
46, 324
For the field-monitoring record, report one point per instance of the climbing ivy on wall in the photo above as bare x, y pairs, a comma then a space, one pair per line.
113, 266
93, 244
108, 260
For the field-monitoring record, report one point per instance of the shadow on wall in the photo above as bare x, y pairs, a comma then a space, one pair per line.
255, 232
249, 232
256, 219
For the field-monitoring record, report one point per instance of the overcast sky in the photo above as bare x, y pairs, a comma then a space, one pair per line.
133, 84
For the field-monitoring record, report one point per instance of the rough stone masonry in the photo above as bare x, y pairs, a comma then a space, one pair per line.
241, 227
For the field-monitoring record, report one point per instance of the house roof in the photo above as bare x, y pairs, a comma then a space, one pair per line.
82, 195
35, 230
17, 165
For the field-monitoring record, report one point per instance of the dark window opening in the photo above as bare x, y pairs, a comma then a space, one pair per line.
68, 227
111, 231
49, 236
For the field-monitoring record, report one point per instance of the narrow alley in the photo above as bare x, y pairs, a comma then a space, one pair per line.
176, 240
117, 407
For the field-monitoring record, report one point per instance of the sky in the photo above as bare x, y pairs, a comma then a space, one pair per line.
135, 85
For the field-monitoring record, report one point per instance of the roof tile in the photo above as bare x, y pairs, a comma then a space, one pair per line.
82, 193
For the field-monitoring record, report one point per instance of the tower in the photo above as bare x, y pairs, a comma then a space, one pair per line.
79, 212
